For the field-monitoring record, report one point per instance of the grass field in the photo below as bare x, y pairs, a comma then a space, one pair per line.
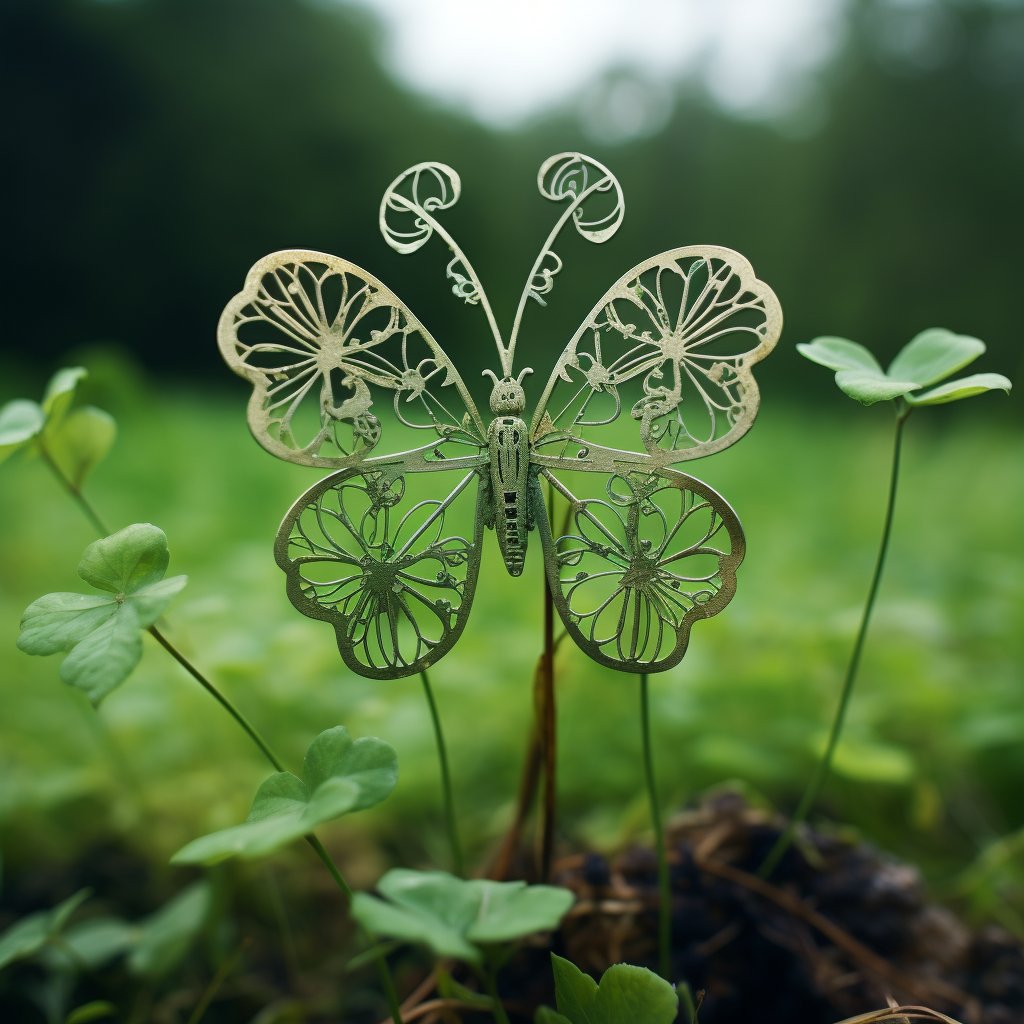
931, 766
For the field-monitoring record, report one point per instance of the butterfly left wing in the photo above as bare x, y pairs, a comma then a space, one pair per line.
664, 359
391, 567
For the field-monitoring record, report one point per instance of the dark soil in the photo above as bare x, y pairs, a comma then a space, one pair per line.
756, 961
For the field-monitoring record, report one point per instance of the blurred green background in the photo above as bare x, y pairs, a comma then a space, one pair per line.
156, 148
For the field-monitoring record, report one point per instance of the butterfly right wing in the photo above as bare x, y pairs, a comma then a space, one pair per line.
661, 371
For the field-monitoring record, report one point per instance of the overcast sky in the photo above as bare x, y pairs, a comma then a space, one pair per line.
505, 61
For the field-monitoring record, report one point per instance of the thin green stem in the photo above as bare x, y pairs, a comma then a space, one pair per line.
387, 982
821, 772
492, 990
76, 493
217, 695
215, 983
446, 780
664, 888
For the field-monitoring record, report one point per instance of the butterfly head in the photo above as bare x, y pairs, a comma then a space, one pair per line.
507, 395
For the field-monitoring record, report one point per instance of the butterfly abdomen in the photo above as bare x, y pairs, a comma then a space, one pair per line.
510, 462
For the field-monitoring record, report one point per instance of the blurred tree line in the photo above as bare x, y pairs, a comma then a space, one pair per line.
154, 149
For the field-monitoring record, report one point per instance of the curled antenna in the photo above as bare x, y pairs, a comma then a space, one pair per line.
523, 373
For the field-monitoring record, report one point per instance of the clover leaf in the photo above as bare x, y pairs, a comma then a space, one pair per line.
28, 936
927, 358
76, 441
626, 995
455, 917
166, 935
102, 631
338, 776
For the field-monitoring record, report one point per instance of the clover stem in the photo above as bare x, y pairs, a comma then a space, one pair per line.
446, 780
821, 772
491, 985
217, 695
664, 888
76, 492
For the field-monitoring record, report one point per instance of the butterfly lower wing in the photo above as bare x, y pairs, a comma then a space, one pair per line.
392, 569
645, 555
663, 365
337, 361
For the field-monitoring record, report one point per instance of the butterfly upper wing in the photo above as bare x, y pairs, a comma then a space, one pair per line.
662, 365
337, 361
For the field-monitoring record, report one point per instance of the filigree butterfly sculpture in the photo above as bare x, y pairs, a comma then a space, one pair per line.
663, 363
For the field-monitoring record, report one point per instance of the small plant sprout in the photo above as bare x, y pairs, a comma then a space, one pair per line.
72, 442
929, 357
625, 995
102, 630
339, 776
475, 921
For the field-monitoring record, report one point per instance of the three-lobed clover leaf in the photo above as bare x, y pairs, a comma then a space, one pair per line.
75, 440
926, 359
338, 776
626, 995
455, 917
102, 630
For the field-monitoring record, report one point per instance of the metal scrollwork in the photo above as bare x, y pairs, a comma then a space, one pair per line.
641, 564
338, 365
317, 337
685, 328
396, 586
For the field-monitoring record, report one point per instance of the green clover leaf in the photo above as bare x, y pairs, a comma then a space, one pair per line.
927, 358
626, 995
28, 936
339, 776
20, 421
76, 441
454, 917
166, 935
102, 631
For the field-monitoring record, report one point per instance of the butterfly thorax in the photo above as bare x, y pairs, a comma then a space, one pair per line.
508, 445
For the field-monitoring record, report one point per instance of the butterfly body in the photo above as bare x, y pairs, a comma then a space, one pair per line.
387, 547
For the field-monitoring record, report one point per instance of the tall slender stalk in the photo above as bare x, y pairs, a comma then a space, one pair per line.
664, 888
446, 781
821, 772
546, 722
387, 982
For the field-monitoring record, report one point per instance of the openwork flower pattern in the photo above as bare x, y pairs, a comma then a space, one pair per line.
382, 569
319, 338
673, 342
641, 564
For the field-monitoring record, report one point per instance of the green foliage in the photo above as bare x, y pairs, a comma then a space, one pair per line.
95, 1010
455, 917
77, 440
102, 631
81, 442
90, 944
927, 358
626, 995
339, 776
28, 936
20, 421
166, 936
